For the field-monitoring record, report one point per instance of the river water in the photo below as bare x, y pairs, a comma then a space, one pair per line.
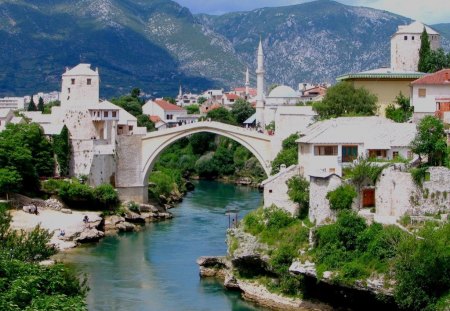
155, 269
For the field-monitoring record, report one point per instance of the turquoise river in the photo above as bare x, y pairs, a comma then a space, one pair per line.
155, 269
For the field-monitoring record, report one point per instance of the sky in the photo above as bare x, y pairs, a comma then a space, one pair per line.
426, 11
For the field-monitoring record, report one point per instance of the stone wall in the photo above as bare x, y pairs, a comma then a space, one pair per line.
397, 194
276, 190
319, 207
129, 159
103, 170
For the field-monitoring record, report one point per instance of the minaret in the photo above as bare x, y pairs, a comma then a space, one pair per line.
180, 93
260, 87
247, 83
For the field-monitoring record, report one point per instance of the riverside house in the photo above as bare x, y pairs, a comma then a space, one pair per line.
326, 147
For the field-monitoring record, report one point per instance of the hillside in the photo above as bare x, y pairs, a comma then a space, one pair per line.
157, 44
314, 41
153, 45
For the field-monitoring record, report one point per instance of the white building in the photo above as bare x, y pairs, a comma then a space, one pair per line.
328, 146
80, 86
164, 113
430, 95
228, 99
6, 115
97, 129
405, 46
280, 96
47, 97
14, 103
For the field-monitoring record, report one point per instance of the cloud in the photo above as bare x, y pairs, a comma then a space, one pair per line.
427, 11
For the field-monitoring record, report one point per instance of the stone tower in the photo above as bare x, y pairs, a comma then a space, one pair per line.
80, 86
405, 46
260, 87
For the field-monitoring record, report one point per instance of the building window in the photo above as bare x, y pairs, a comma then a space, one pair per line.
89, 81
114, 114
325, 150
377, 153
130, 128
422, 92
395, 154
72, 81
105, 114
405, 37
169, 117
68, 90
412, 38
349, 153
270, 190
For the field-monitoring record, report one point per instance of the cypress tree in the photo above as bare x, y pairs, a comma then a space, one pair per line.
424, 52
31, 105
40, 105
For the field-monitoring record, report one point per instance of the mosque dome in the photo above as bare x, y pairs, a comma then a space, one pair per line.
283, 91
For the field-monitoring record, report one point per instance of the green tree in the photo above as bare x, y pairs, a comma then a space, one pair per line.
135, 92
221, 114
430, 140
144, 121
342, 197
288, 154
424, 52
201, 100
10, 181
422, 269
48, 107
31, 105
438, 60
130, 104
61, 148
298, 191
403, 112
40, 106
242, 110
193, 109
343, 99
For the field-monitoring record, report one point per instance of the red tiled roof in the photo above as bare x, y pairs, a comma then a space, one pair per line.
154, 119
251, 91
440, 77
232, 96
165, 105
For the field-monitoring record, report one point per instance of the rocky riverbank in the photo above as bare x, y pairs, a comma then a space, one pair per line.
223, 268
72, 227
248, 267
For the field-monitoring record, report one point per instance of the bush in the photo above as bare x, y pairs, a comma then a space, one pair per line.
288, 155
106, 195
298, 191
342, 197
423, 269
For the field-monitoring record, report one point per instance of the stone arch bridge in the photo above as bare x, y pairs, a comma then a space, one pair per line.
137, 154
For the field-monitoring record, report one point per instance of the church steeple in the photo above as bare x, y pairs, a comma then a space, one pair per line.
260, 87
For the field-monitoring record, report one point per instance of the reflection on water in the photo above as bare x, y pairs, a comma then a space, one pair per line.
155, 269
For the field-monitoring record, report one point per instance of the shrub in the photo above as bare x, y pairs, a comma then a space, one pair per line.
298, 191
342, 197
106, 195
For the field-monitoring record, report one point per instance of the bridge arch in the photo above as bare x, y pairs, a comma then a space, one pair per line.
153, 144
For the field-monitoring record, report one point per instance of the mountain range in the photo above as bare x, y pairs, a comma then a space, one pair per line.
157, 44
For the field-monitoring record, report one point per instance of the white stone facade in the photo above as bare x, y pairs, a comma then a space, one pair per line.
319, 206
14, 103
276, 190
405, 46
80, 86
6, 115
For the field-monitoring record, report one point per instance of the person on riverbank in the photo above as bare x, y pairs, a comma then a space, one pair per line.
86, 221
